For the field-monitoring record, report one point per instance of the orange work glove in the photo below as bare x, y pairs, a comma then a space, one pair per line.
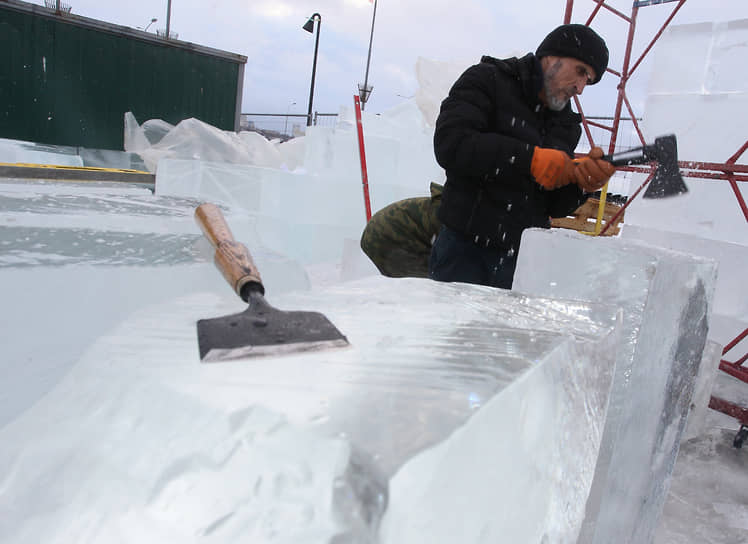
592, 172
552, 168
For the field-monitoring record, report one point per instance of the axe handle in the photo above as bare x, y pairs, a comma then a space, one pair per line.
638, 155
232, 258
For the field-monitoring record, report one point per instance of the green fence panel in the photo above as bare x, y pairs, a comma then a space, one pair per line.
69, 81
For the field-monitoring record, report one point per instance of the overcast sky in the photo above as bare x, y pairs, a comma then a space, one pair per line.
280, 53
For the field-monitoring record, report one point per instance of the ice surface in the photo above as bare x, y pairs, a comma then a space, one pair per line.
134, 136
520, 470
706, 56
112, 224
55, 235
104, 284
696, 70
665, 297
194, 139
208, 462
283, 210
702, 391
309, 212
19, 151
731, 258
104, 251
16, 151
105, 158
707, 467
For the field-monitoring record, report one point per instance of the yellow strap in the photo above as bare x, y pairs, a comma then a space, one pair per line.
601, 209
61, 167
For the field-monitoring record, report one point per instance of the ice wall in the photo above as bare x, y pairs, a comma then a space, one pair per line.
15, 151
666, 298
77, 258
699, 92
732, 260
309, 212
520, 470
139, 441
702, 391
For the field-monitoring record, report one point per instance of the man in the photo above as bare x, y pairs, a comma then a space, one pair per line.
398, 237
506, 136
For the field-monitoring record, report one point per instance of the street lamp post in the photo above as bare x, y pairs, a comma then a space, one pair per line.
168, 19
285, 129
365, 91
149, 24
309, 27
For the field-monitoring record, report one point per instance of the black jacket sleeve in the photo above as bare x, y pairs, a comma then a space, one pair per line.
462, 141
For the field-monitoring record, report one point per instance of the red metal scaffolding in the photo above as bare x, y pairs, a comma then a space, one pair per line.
728, 171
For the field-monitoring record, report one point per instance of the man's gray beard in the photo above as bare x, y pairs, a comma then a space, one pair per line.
553, 101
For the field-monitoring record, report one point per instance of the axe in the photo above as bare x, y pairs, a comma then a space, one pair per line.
667, 180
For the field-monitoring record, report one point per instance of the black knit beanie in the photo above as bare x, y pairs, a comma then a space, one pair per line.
579, 42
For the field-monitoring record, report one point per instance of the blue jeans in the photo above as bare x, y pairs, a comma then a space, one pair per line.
455, 257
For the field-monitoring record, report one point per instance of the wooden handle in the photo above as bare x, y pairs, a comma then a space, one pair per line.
232, 258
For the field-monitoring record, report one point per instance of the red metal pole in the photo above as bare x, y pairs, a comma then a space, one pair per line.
735, 341
362, 154
624, 80
729, 408
629, 200
735, 369
567, 13
657, 36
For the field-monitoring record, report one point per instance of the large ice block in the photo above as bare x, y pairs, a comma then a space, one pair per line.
732, 260
144, 442
520, 469
695, 70
666, 298
291, 213
20, 151
109, 224
703, 387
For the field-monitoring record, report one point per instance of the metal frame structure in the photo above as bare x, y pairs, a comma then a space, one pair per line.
728, 171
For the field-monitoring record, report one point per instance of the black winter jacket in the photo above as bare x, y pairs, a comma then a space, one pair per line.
485, 135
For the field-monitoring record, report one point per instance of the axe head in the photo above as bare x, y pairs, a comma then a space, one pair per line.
667, 180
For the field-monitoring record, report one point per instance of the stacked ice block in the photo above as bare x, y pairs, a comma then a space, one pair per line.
665, 297
493, 402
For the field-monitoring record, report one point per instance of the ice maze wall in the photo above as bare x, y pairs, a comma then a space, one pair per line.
666, 298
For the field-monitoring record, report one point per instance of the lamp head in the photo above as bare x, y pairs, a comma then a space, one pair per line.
309, 25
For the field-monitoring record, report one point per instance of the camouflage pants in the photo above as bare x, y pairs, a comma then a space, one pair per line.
398, 237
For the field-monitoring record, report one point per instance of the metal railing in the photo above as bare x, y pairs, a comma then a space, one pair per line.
283, 125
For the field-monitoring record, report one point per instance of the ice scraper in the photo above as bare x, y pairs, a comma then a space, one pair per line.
260, 330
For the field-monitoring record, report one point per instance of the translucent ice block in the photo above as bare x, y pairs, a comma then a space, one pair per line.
19, 151
702, 392
520, 469
698, 68
105, 224
731, 260
665, 297
292, 213
158, 445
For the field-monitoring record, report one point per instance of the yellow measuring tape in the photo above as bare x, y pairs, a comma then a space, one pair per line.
61, 167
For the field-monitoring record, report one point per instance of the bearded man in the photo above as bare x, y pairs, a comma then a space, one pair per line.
505, 137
